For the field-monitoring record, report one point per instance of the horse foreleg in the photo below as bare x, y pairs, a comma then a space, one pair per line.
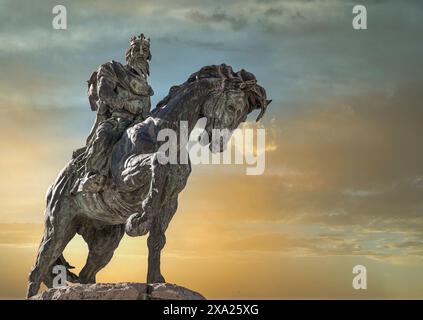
157, 239
140, 223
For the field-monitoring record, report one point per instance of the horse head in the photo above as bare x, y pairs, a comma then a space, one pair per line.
234, 96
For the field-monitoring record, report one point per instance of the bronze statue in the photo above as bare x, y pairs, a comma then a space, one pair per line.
138, 194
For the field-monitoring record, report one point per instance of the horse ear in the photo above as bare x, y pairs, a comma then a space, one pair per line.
263, 110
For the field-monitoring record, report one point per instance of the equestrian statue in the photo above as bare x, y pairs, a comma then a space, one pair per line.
116, 183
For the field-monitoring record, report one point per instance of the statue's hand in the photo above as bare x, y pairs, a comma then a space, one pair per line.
138, 106
137, 225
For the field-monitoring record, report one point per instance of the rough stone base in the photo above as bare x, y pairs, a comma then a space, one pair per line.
119, 291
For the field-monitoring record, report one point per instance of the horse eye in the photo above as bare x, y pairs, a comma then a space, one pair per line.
231, 108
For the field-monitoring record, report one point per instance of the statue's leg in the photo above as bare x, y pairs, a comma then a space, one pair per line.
101, 244
106, 135
96, 158
99, 148
59, 230
157, 239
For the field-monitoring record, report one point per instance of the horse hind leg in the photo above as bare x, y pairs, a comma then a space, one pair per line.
70, 276
59, 230
102, 242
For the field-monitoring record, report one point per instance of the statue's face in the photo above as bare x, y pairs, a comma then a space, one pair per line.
139, 55
224, 113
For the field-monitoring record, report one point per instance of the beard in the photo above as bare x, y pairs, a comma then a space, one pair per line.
139, 63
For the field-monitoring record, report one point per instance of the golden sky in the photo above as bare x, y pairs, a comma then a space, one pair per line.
344, 178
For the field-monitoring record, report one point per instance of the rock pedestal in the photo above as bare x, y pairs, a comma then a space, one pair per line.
119, 291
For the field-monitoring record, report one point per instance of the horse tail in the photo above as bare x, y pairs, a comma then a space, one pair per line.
62, 185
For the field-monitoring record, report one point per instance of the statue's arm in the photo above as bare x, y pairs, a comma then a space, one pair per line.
107, 94
140, 105
146, 90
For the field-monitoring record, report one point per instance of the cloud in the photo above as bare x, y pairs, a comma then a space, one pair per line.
20, 235
273, 12
217, 17
210, 45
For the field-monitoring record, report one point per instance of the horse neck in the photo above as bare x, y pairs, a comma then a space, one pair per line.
182, 109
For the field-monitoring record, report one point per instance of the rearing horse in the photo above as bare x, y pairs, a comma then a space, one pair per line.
141, 194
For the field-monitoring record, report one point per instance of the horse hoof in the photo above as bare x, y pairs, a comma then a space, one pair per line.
156, 279
32, 289
137, 225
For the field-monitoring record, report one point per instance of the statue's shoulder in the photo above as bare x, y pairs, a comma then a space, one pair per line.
112, 65
111, 69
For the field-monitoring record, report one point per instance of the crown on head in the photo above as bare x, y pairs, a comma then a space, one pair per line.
139, 40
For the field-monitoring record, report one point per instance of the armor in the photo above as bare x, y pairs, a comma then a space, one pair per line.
120, 94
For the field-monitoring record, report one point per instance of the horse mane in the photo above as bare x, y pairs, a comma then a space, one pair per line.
245, 81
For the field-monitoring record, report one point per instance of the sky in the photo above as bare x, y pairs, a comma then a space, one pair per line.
343, 183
